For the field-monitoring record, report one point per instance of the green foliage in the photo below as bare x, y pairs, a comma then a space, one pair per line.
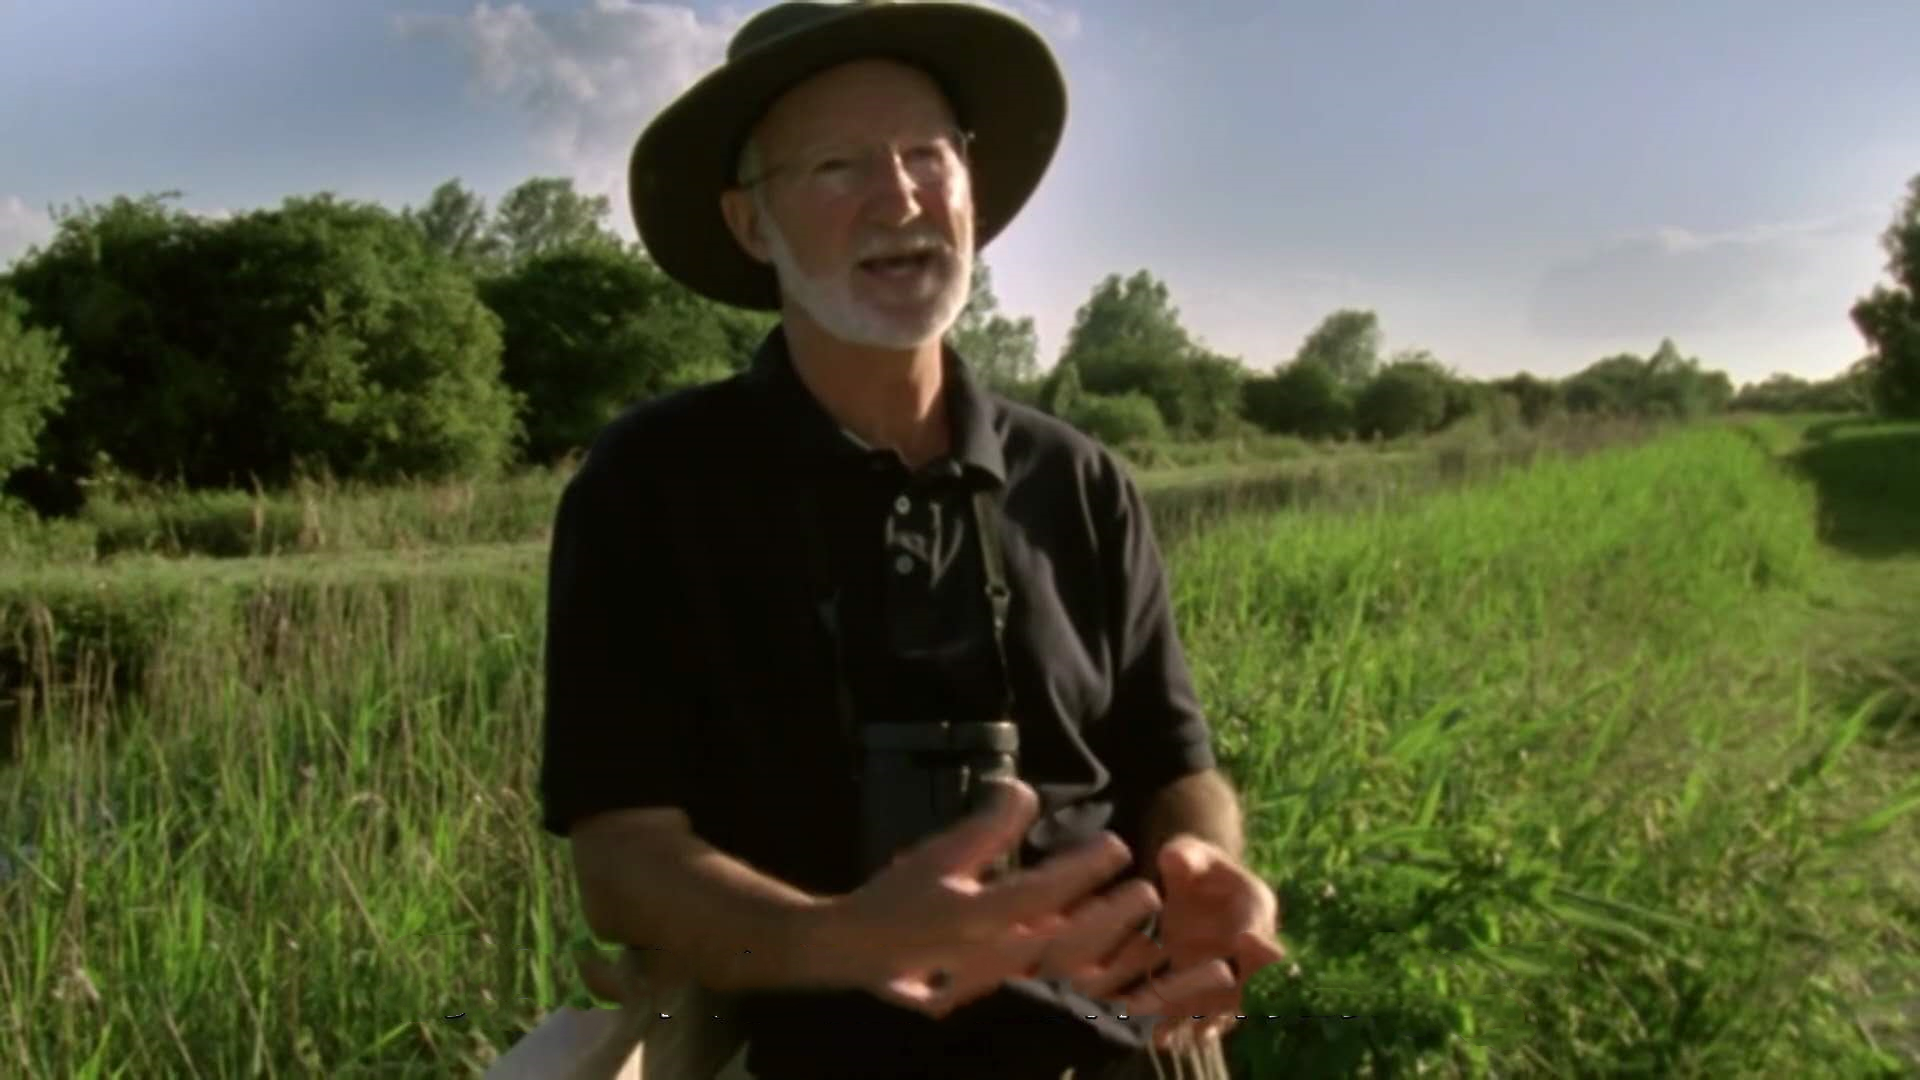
1129, 319
1529, 775
1002, 352
1528, 765
1127, 339
544, 215
1889, 317
322, 334
1302, 398
1537, 399
1662, 386
1347, 345
392, 365
454, 224
1118, 420
31, 362
1061, 388
590, 330
1407, 397
1783, 393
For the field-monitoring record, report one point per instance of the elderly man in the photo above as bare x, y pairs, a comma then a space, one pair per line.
758, 584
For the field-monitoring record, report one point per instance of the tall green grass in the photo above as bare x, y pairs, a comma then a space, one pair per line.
1525, 759
317, 516
1538, 768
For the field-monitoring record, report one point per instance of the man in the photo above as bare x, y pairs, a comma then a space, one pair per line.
751, 578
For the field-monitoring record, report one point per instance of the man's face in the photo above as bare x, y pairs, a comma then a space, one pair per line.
867, 209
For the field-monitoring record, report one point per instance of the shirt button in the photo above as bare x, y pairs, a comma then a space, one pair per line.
903, 564
902, 504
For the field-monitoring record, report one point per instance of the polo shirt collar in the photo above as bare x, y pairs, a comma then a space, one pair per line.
970, 410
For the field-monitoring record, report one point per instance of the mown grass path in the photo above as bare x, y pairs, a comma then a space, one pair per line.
1865, 637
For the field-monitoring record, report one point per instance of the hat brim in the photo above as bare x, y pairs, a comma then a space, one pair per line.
999, 75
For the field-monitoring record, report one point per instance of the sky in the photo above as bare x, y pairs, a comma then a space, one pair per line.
1509, 185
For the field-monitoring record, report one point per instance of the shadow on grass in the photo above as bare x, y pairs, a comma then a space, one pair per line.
1868, 479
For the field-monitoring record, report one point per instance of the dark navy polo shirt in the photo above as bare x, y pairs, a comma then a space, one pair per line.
687, 664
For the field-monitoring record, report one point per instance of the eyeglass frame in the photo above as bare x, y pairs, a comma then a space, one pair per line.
960, 138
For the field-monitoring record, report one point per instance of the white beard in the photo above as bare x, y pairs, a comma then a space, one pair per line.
829, 300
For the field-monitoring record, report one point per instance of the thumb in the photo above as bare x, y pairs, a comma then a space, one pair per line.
982, 837
1184, 860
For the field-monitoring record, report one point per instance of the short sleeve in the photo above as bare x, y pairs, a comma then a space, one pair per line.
1159, 730
617, 714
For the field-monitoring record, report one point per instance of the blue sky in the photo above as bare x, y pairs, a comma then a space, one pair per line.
1510, 185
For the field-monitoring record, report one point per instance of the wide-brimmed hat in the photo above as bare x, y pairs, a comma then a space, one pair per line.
997, 73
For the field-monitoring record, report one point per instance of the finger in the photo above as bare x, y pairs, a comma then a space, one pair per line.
1184, 859
973, 973
1134, 960
1164, 995
983, 836
1253, 950
1054, 885
1101, 928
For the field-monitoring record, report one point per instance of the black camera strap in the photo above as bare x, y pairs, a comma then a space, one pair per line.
808, 513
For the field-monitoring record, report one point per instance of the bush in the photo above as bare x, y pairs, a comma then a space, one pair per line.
588, 331
30, 369
1404, 399
219, 354
1118, 420
1303, 398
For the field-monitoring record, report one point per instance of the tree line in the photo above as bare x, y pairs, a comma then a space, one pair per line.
449, 339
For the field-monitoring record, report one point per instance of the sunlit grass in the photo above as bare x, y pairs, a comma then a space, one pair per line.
1536, 764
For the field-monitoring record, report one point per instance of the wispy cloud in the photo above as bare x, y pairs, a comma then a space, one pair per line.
1672, 280
586, 80
21, 226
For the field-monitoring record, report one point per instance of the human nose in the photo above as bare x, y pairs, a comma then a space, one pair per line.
893, 191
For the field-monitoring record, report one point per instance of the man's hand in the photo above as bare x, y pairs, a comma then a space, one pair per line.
1217, 913
929, 934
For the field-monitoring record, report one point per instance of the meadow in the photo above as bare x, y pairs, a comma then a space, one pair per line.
1597, 759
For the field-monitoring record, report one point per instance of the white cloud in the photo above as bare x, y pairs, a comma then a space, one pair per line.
1775, 276
21, 227
587, 80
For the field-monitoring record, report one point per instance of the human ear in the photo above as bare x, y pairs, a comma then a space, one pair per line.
743, 219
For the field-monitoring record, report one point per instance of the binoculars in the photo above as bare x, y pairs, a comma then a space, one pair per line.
919, 778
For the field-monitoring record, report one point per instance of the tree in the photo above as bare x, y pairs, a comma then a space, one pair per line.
1889, 317
1127, 338
454, 223
1537, 398
1003, 352
1137, 312
1301, 398
544, 215
1118, 420
1408, 397
1060, 389
1347, 344
31, 362
217, 353
588, 331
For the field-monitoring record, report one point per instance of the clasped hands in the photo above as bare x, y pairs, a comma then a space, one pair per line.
942, 933
1217, 925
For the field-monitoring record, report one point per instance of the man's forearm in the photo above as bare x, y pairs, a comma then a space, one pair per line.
1202, 805
706, 917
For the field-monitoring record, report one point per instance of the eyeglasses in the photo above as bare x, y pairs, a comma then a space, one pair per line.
931, 160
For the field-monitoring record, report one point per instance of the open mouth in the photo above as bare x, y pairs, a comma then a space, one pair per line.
900, 265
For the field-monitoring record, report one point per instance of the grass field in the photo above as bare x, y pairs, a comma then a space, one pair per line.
1600, 765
